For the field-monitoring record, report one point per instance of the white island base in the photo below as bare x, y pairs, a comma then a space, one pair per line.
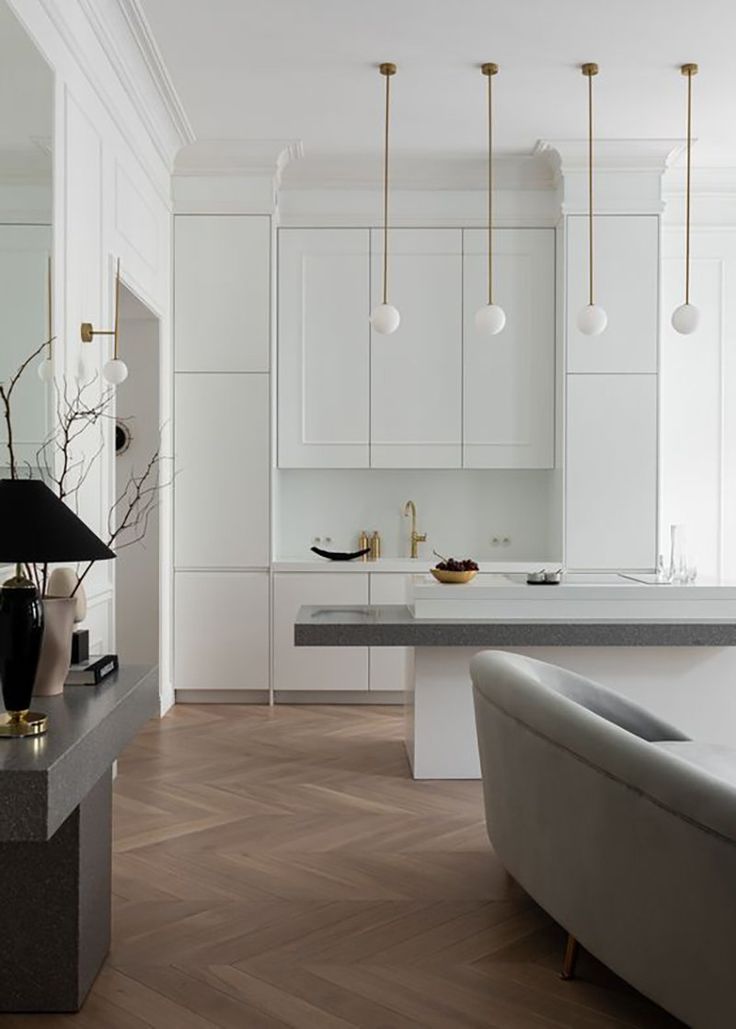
694, 688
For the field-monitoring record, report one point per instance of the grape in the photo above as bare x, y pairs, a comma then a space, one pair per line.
453, 565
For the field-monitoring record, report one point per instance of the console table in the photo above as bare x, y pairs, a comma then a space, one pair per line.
56, 840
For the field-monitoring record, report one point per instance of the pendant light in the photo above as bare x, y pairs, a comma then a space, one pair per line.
490, 319
685, 317
384, 317
592, 319
46, 367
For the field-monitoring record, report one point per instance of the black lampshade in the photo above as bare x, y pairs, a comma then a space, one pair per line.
37, 527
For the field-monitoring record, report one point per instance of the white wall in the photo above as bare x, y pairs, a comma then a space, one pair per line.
113, 150
461, 510
698, 399
137, 566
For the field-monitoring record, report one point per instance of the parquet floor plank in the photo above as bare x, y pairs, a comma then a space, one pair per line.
280, 868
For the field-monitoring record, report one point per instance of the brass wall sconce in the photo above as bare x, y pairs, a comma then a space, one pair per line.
115, 371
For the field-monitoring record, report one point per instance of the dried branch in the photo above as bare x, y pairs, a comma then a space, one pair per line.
6, 393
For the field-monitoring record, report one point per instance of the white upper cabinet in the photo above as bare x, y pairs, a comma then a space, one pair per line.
416, 373
323, 368
508, 409
626, 285
222, 293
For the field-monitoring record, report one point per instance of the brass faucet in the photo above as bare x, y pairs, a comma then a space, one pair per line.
416, 537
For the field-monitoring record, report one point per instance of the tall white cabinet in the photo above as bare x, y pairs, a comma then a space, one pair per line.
222, 453
612, 396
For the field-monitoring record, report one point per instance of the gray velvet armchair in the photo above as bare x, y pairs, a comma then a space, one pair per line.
618, 825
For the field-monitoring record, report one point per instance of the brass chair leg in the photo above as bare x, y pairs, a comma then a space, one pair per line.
571, 958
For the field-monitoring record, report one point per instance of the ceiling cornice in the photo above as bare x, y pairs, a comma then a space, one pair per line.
617, 155
124, 35
252, 158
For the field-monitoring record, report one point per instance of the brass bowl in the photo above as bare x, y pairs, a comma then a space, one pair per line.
456, 577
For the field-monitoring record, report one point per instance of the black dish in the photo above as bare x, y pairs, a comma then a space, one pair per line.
336, 555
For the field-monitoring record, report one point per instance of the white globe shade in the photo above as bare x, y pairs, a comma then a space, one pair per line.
490, 320
385, 319
115, 372
685, 319
46, 370
592, 320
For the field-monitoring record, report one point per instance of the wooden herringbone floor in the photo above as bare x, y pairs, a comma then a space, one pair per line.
280, 868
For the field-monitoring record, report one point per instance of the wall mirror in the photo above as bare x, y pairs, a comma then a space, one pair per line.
26, 219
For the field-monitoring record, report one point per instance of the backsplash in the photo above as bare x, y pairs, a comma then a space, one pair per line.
462, 511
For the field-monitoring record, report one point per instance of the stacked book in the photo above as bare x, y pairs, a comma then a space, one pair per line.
92, 671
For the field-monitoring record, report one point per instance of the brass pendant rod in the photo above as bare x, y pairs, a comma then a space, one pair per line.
689, 70
49, 289
387, 70
117, 310
489, 70
590, 190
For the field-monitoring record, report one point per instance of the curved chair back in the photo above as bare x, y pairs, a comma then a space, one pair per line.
629, 847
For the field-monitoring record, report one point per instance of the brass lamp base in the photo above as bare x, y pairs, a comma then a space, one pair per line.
23, 723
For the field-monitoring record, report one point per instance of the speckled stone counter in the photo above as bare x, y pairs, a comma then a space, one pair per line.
393, 625
56, 840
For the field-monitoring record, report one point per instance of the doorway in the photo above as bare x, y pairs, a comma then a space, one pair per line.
137, 439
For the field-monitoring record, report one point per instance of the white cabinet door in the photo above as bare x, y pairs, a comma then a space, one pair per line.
316, 668
390, 666
509, 379
323, 348
221, 630
416, 373
221, 488
626, 285
611, 509
222, 293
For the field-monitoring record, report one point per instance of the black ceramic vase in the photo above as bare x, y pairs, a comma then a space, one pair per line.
21, 632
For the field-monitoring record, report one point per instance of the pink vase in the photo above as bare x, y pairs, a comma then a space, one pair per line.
56, 646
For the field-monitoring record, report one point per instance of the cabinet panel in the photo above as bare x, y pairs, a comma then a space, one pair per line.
416, 373
316, 668
390, 666
221, 489
611, 510
324, 277
222, 293
626, 285
509, 379
221, 630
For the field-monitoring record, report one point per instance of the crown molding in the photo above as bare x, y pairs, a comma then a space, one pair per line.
250, 158
616, 155
124, 35
430, 170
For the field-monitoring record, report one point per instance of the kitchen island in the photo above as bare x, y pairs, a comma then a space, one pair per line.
670, 648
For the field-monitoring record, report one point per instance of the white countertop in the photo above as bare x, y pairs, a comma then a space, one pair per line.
399, 564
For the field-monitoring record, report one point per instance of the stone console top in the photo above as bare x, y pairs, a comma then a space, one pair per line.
393, 625
44, 778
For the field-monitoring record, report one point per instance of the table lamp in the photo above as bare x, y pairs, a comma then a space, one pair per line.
35, 528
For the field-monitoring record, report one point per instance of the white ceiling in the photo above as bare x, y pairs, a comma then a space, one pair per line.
306, 70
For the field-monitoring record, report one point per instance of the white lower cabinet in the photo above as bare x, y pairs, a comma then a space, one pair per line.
221, 630
390, 666
316, 668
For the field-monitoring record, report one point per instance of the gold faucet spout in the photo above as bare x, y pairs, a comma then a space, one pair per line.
416, 537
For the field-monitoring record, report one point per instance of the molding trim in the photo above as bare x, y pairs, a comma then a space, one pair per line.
251, 158
141, 32
619, 155
151, 94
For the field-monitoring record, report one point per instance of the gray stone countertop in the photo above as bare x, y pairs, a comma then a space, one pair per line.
43, 778
393, 625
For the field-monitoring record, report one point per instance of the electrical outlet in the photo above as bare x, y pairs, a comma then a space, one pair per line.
500, 541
